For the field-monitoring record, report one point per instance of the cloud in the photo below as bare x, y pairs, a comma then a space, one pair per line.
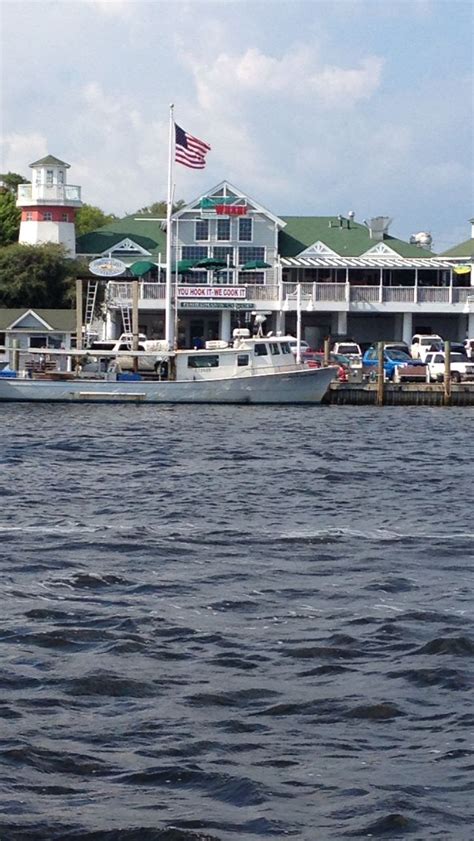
20, 149
298, 75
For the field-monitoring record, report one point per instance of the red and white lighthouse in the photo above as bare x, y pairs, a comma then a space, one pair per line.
49, 205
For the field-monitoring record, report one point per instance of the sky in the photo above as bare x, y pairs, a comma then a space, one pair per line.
310, 108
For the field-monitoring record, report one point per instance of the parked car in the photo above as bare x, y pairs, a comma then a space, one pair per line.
462, 369
397, 365
304, 346
315, 359
403, 346
422, 343
350, 349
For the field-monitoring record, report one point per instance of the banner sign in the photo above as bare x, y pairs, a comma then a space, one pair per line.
215, 305
225, 205
219, 292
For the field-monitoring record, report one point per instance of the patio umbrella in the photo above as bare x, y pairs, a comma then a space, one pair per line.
141, 267
252, 265
210, 263
185, 266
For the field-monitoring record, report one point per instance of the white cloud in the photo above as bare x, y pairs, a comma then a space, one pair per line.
19, 150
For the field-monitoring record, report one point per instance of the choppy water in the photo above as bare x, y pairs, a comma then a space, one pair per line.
236, 623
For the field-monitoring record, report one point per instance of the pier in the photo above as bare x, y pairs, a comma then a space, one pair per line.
399, 394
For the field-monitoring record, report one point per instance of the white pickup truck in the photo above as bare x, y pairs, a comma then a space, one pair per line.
461, 368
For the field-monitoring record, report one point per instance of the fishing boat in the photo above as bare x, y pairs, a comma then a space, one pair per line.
249, 370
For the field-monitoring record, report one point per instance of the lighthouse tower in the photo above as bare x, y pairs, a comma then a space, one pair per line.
49, 205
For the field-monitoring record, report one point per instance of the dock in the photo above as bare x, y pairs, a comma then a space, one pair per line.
399, 394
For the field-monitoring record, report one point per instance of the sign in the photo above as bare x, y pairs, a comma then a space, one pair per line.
215, 305
107, 267
218, 292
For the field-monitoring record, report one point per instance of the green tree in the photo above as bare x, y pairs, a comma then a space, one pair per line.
36, 276
10, 216
158, 208
89, 218
11, 180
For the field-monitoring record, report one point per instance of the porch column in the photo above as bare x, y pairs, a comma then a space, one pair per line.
407, 327
280, 325
111, 330
416, 287
470, 325
341, 323
381, 286
225, 326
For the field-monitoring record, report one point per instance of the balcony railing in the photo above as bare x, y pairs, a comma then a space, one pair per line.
120, 293
56, 194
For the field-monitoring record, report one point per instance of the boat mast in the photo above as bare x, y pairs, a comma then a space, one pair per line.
169, 315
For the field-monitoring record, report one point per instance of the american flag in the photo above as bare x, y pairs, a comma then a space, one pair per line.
189, 150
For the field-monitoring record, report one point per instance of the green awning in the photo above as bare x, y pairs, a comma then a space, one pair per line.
184, 266
141, 268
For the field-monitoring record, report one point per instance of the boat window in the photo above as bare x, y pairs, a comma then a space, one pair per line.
261, 349
275, 348
242, 360
207, 361
284, 347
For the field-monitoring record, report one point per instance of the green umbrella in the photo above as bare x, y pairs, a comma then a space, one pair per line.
255, 264
185, 266
210, 263
141, 267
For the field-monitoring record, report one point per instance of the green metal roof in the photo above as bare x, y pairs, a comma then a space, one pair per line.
145, 231
303, 231
61, 320
50, 159
463, 250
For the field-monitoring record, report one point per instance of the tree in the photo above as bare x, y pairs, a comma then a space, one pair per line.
10, 216
36, 276
158, 208
89, 218
11, 180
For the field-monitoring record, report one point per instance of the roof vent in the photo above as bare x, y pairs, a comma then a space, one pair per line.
423, 239
378, 226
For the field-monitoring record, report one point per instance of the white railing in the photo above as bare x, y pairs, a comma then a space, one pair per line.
54, 194
365, 294
332, 293
398, 294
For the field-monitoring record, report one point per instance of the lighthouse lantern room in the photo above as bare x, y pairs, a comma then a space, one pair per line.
49, 205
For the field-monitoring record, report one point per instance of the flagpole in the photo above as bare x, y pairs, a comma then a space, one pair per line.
169, 318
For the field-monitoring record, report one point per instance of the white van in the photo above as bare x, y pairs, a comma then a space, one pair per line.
422, 343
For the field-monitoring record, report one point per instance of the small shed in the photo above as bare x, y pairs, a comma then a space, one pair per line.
36, 328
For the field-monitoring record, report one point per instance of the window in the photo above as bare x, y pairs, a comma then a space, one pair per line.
274, 348
252, 277
247, 253
245, 229
29, 216
242, 360
65, 217
285, 348
261, 349
193, 252
206, 361
47, 216
222, 252
61, 176
49, 177
223, 229
202, 229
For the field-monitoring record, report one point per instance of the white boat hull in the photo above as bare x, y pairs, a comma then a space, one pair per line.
300, 386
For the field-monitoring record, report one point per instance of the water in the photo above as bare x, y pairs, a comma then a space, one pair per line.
236, 623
